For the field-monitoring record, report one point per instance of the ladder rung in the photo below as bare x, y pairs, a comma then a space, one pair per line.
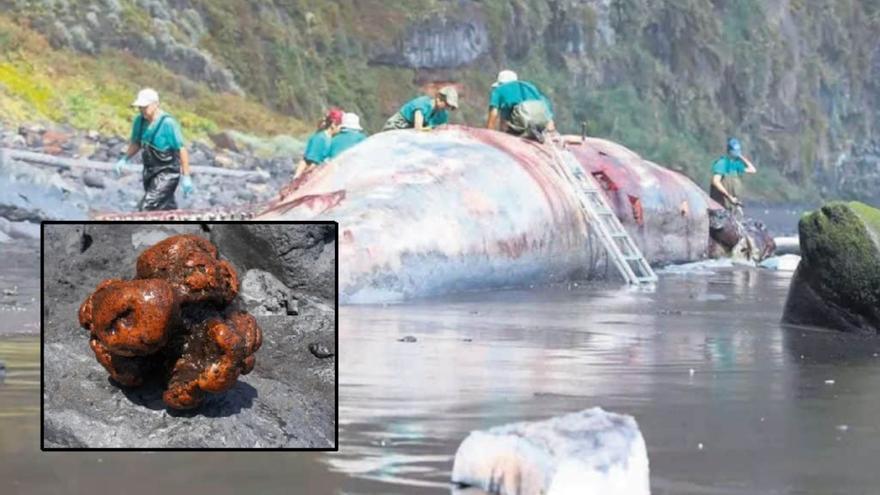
604, 220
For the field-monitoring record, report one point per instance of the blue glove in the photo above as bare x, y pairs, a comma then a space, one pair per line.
187, 185
121, 166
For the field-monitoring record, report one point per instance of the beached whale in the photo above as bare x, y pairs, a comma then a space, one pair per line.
422, 214
457, 209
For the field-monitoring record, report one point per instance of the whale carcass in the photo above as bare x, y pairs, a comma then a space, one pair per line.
422, 214
457, 209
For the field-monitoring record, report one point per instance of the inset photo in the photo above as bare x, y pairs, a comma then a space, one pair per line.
175, 336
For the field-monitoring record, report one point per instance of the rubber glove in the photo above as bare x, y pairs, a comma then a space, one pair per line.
121, 165
186, 184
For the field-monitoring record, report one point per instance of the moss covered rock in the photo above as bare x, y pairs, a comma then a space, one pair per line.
837, 284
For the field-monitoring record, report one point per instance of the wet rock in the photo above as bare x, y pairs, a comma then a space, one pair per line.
837, 283
301, 257
263, 294
20, 230
320, 351
94, 179
588, 452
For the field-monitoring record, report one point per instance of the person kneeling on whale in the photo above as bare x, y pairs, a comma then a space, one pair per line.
425, 112
523, 109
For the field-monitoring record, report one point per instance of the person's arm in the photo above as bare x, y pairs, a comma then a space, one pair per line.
716, 181
418, 120
492, 119
184, 161
132, 150
300, 168
750, 167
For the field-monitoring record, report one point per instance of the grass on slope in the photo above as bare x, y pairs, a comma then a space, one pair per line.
39, 83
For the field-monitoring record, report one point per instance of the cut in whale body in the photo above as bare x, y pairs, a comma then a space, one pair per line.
456, 209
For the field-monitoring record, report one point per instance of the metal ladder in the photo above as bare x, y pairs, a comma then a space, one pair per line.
621, 248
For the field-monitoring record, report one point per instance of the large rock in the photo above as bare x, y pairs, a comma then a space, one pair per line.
300, 258
588, 452
288, 400
837, 283
441, 42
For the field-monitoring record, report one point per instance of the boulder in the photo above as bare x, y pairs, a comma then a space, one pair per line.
837, 283
93, 179
300, 258
588, 452
224, 140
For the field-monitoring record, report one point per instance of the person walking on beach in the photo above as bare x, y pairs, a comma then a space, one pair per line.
158, 135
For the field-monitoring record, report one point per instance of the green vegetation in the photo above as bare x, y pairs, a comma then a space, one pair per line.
672, 82
42, 84
841, 245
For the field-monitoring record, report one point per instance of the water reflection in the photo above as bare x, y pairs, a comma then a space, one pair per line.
700, 361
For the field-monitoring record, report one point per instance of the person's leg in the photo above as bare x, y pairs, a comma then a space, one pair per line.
532, 118
395, 122
517, 123
159, 192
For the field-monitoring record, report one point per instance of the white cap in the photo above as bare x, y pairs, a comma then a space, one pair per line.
146, 97
504, 77
351, 121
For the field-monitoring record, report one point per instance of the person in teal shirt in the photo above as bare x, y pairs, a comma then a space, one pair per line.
520, 107
350, 134
165, 157
726, 173
424, 112
318, 146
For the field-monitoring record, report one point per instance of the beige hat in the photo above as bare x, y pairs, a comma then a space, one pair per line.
505, 77
351, 121
450, 95
146, 97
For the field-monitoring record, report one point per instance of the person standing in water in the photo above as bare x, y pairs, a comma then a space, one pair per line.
727, 171
158, 135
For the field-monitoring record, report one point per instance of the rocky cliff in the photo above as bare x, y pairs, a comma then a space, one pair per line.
794, 79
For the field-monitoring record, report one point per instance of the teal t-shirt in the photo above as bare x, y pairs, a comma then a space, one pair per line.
345, 139
318, 148
166, 137
433, 117
509, 95
728, 165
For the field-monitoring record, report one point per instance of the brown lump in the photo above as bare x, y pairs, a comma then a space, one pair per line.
190, 263
137, 330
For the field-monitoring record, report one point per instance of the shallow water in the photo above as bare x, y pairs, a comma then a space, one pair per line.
757, 399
